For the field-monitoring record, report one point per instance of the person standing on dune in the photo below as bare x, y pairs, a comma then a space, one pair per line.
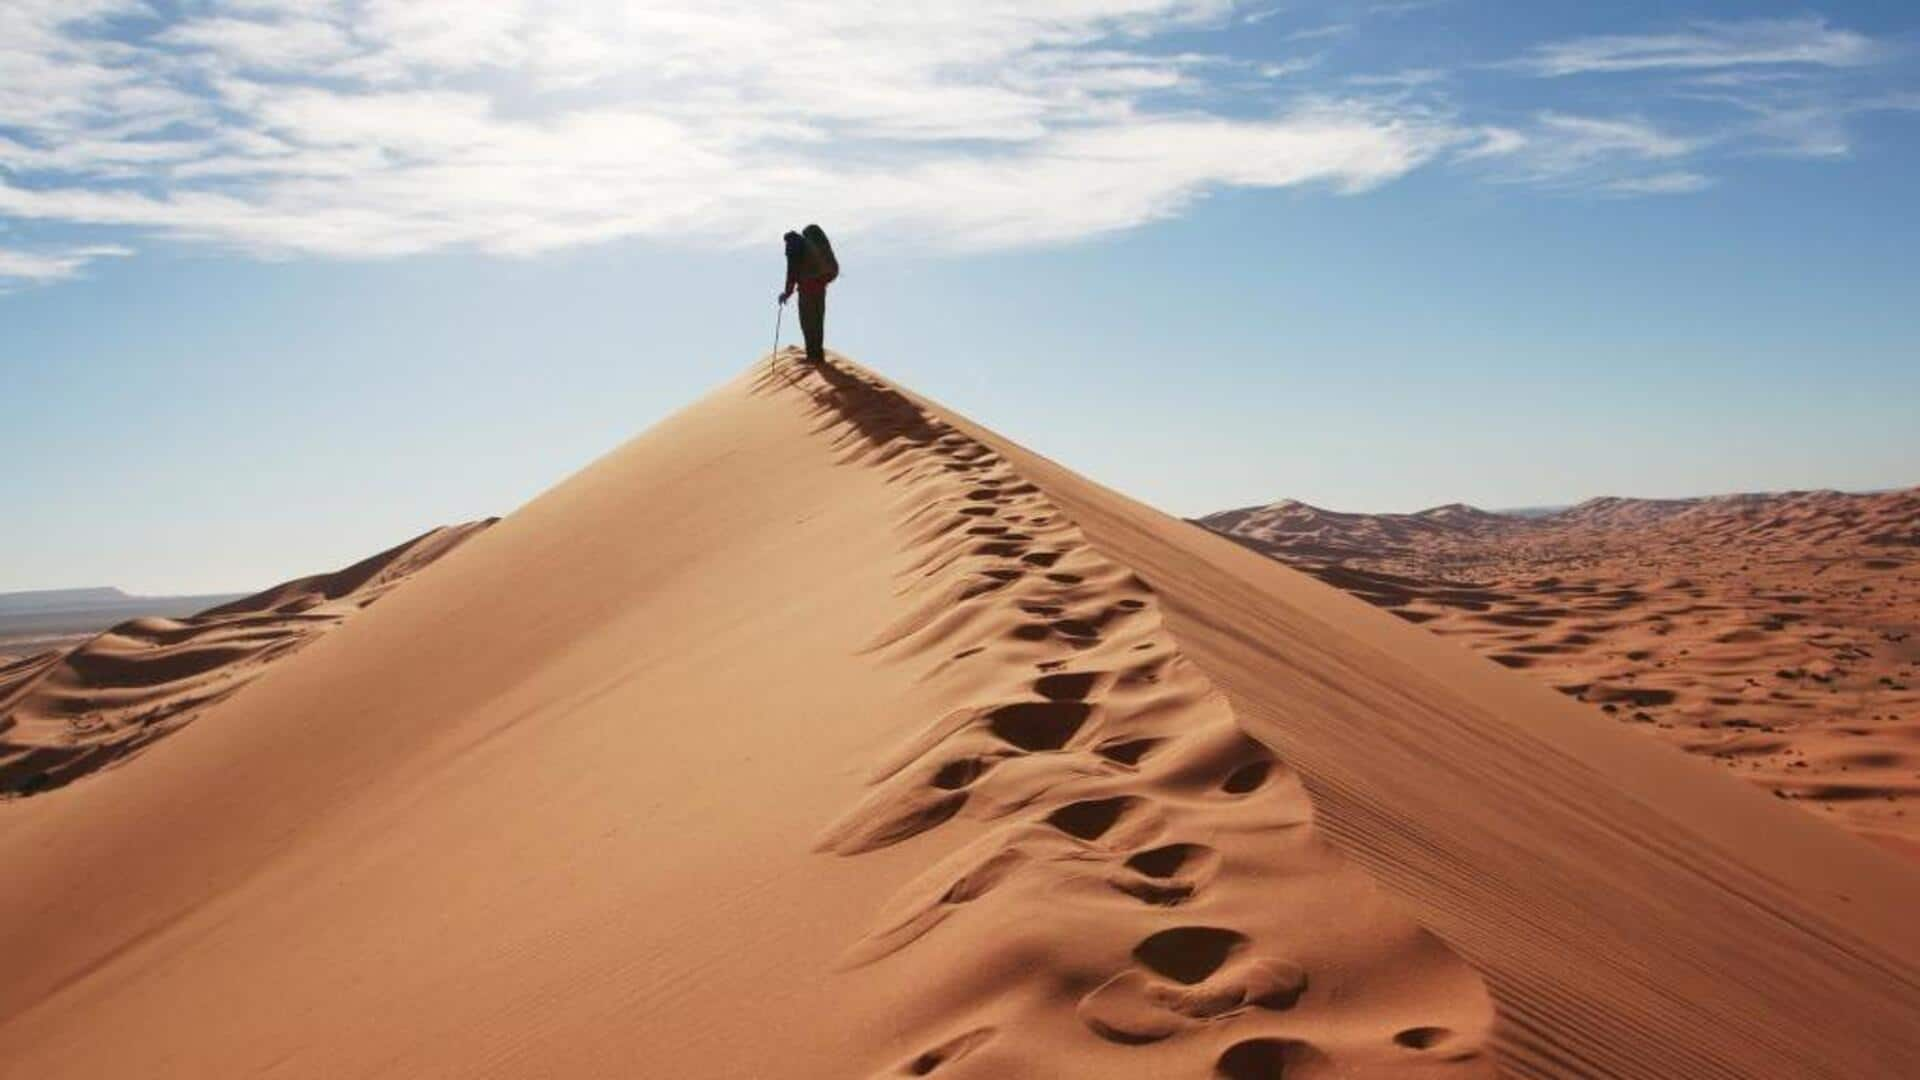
811, 267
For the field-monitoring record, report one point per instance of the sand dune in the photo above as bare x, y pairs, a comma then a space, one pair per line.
49, 619
820, 733
1140, 842
1305, 531
67, 713
1776, 635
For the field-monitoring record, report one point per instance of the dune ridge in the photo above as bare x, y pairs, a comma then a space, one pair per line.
1621, 902
680, 802
66, 714
1460, 534
1163, 868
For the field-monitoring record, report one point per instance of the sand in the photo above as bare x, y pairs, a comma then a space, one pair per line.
818, 732
65, 713
1777, 636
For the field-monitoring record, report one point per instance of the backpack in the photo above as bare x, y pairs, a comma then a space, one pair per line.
826, 266
799, 257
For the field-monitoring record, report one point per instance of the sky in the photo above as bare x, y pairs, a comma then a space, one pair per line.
285, 282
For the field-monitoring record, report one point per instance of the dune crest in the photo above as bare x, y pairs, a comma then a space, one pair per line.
65, 714
1145, 866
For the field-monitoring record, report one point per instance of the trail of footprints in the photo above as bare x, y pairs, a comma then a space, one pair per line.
1117, 792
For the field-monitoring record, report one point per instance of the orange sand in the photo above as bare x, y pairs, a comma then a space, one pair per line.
1775, 635
819, 733
67, 712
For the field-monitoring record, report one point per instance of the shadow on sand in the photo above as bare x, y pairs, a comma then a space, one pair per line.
876, 412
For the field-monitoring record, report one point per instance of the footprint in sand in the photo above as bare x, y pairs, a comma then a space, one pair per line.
1189, 976
1091, 819
1037, 726
1270, 1059
1168, 875
1248, 778
1128, 752
1423, 1038
1068, 686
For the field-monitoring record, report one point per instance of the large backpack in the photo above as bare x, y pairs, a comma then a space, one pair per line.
827, 267
799, 257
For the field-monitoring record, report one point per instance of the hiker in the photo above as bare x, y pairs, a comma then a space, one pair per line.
811, 267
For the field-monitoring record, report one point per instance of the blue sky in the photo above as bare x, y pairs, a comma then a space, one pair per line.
284, 283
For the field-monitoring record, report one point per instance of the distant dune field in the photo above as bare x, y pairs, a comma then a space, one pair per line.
1775, 635
73, 706
34, 622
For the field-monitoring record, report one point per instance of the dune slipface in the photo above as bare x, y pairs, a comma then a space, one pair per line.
820, 733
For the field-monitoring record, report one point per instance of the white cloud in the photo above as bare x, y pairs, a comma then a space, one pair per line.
291, 44
1495, 142
1284, 68
1791, 85
1795, 118
1394, 9
1666, 183
512, 193
1562, 150
1406, 79
1577, 140
1321, 33
360, 128
39, 267
1708, 45
1803, 131
388, 127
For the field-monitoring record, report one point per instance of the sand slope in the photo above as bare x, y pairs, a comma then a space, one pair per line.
818, 733
1775, 635
1147, 870
67, 713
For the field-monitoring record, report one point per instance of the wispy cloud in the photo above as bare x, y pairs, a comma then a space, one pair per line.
1809, 41
60, 264
366, 128
1623, 155
1799, 118
1393, 9
387, 127
1666, 183
1321, 33
1404, 79
1576, 140
1782, 87
1283, 68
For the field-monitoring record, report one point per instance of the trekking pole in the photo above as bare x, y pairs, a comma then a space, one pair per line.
778, 311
